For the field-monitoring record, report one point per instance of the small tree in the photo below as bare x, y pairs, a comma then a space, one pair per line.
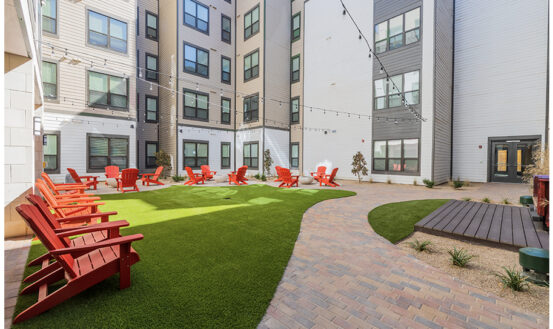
163, 159
359, 166
267, 161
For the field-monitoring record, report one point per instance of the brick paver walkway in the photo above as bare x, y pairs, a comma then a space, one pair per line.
343, 275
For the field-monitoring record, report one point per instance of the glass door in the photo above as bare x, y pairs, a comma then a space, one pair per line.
509, 160
500, 162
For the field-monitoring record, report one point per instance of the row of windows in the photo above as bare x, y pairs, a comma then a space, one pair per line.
196, 154
196, 106
102, 151
196, 16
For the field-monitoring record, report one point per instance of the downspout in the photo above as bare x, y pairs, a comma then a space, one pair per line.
264, 66
235, 67
177, 97
452, 93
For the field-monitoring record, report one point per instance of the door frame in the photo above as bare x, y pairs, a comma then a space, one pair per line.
491, 140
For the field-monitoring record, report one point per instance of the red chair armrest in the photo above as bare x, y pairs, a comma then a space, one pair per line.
65, 232
70, 187
75, 196
146, 175
102, 215
82, 205
77, 251
78, 200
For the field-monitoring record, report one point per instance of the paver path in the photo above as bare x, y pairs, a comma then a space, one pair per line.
343, 275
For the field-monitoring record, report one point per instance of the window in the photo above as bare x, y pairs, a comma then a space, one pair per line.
295, 110
51, 152
251, 155
294, 155
412, 26
50, 16
225, 69
196, 16
196, 105
107, 32
151, 108
251, 65
295, 67
151, 26
196, 60
225, 28
107, 151
396, 155
151, 150
296, 25
225, 155
390, 92
50, 79
251, 22
398, 31
137, 23
151, 68
225, 110
195, 154
107, 90
251, 108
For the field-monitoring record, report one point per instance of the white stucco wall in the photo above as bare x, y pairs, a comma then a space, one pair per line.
338, 75
499, 77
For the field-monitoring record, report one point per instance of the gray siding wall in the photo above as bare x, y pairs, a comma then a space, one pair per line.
145, 131
405, 59
443, 80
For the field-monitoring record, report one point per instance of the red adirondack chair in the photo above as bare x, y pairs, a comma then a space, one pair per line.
91, 181
82, 266
128, 180
277, 169
69, 206
238, 177
320, 173
329, 179
55, 224
152, 178
63, 188
44, 188
194, 178
288, 180
206, 171
111, 172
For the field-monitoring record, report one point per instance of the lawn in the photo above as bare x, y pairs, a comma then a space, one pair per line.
211, 257
395, 221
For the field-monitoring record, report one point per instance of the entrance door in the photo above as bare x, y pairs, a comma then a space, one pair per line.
509, 159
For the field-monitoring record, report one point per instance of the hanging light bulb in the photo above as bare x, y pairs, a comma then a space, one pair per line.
370, 55
105, 62
360, 37
396, 122
344, 11
140, 72
151, 86
197, 86
381, 69
52, 50
221, 94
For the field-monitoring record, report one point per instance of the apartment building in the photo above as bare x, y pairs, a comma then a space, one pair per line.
147, 84
216, 58
88, 63
459, 74
23, 101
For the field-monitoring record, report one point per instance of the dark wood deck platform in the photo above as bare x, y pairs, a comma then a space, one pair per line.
503, 225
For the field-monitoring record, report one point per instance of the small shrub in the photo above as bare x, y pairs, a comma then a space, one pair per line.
257, 176
267, 161
415, 182
467, 198
420, 245
428, 183
263, 177
513, 279
177, 178
371, 180
457, 184
486, 200
505, 201
163, 159
389, 181
359, 166
460, 257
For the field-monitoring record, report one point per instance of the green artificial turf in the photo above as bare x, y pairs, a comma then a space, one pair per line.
395, 221
211, 257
